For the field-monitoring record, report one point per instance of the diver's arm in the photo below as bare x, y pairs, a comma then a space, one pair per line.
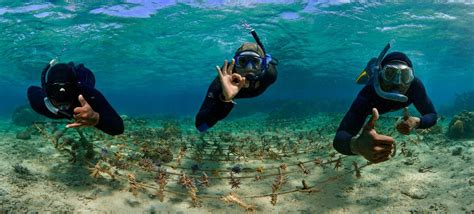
351, 124
213, 108
36, 97
424, 105
109, 121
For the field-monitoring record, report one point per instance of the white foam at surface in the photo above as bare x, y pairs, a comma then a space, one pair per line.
25, 9
444, 16
145, 9
289, 15
382, 29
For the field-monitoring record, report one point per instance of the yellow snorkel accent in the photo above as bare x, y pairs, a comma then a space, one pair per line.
362, 75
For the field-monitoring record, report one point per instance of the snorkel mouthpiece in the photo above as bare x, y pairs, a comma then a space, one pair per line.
378, 89
60, 110
251, 76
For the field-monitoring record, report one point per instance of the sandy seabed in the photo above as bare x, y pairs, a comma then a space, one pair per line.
429, 173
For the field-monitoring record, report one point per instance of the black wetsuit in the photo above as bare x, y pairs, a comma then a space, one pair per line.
214, 109
367, 99
110, 122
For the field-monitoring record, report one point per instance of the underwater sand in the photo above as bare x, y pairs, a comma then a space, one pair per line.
434, 174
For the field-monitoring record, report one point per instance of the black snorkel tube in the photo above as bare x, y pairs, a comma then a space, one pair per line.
268, 58
254, 35
257, 40
53, 62
378, 89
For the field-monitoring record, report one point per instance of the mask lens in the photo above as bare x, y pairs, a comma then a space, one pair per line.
407, 75
397, 74
256, 61
390, 73
244, 60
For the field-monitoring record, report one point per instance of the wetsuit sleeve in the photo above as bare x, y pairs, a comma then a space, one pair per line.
213, 108
110, 122
424, 105
36, 97
351, 124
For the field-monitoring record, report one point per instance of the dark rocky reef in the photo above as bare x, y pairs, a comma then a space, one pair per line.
24, 116
462, 126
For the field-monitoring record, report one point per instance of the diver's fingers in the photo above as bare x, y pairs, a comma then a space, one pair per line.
231, 66
406, 113
76, 116
224, 68
373, 119
236, 75
219, 71
382, 148
381, 155
235, 79
78, 110
384, 139
82, 100
81, 116
242, 82
74, 125
403, 128
380, 159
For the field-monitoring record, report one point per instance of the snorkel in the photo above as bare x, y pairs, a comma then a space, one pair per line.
60, 110
266, 60
254, 35
46, 70
378, 89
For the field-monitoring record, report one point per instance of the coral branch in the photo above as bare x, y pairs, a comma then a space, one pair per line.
234, 198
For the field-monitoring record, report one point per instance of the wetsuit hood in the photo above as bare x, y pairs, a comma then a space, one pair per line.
396, 56
61, 83
252, 47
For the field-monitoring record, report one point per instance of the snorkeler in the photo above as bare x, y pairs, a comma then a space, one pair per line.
390, 86
67, 92
249, 74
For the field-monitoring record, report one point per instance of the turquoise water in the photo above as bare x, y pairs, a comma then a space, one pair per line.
158, 57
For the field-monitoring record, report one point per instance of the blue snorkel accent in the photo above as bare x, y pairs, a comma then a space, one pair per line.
378, 89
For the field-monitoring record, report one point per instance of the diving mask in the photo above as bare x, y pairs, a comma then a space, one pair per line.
397, 74
249, 60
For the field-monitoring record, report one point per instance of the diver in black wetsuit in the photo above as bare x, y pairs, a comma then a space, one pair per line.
249, 74
391, 85
67, 92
